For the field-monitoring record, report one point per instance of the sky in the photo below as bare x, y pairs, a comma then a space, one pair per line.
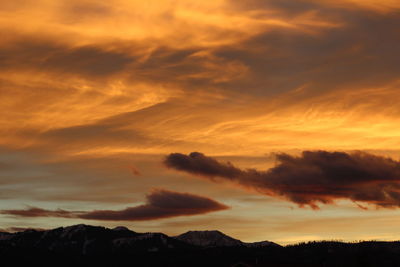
264, 119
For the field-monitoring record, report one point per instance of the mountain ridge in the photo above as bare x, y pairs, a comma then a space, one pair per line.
215, 238
206, 238
85, 245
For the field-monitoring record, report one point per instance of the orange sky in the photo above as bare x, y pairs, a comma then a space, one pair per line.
95, 95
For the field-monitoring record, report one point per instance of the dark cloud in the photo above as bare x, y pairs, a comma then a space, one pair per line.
160, 204
312, 178
197, 163
38, 212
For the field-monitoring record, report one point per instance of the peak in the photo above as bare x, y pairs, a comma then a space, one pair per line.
209, 232
80, 230
78, 226
30, 231
82, 227
261, 244
120, 228
210, 238
204, 231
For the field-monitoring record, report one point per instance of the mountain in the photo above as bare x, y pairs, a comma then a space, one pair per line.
261, 244
218, 239
4, 235
85, 245
85, 239
150, 242
208, 239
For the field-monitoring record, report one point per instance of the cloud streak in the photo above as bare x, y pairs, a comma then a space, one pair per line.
160, 204
310, 179
38, 212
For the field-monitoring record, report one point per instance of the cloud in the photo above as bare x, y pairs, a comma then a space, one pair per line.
304, 5
197, 163
38, 212
312, 178
95, 134
134, 61
356, 51
21, 229
160, 204
90, 75
41, 54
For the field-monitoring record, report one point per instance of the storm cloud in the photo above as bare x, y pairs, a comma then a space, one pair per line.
310, 179
160, 204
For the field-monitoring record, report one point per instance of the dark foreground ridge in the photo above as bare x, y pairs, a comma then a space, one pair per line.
84, 245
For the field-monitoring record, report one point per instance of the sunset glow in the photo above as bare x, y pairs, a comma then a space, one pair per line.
95, 97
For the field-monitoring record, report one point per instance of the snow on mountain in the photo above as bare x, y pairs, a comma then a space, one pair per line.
218, 239
209, 239
86, 239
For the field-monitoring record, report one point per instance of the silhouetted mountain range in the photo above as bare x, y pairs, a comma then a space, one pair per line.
84, 245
